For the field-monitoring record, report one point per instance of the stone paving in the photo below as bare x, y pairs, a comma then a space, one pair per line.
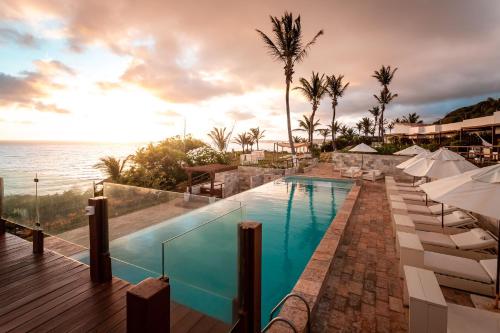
364, 292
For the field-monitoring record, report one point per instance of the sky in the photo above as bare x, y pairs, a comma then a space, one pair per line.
134, 71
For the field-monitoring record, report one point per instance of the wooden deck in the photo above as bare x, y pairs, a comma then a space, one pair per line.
50, 292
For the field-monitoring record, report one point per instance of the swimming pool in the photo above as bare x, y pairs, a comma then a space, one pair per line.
294, 211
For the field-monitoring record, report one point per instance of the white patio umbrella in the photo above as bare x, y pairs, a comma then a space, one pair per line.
477, 191
439, 164
412, 160
411, 151
362, 148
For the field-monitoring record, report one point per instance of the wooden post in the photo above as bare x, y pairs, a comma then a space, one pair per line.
37, 240
148, 307
100, 260
190, 182
212, 179
249, 275
2, 221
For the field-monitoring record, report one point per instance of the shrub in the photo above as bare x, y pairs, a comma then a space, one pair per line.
205, 155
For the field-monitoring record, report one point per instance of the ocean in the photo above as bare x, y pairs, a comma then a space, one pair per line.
60, 166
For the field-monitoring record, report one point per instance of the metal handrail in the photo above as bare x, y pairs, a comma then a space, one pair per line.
273, 311
275, 320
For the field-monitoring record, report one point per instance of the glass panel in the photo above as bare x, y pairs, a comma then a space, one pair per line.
202, 265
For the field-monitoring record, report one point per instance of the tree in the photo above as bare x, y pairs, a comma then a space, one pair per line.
307, 126
313, 91
343, 130
289, 48
324, 132
334, 128
243, 140
375, 111
412, 118
112, 167
219, 138
359, 126
384, 76
390, 127
385, 98
256, 135
298, 139
335, 89
367, 125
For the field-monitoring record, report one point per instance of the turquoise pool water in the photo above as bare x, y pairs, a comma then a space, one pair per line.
202, 264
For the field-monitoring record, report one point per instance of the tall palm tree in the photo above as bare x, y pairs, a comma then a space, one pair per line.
367, 125
343, 130
242, 139
359, 126
289, 48
385, 98
335, 89
412, 118
112, 166
307, 126
390, 127
324, 132
334, 128
219, 138
313, 91
298, 139
256, 135
375, 111
384, 76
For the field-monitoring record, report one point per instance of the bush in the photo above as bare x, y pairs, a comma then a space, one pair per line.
205, 155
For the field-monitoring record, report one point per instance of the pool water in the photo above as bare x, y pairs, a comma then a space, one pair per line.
294, 211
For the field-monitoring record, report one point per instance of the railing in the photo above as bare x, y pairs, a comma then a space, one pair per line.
201, 265
280, 304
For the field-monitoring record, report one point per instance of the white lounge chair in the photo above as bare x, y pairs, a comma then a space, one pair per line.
451, 271
399, 203
455, 219
351, 172
372, 175
469, 244
429, 311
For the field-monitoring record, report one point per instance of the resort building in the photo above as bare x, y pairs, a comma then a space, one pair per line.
489, 125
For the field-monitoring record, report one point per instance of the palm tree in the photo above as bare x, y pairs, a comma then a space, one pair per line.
343, 130
324, 132
256, 135
390, 126
242, 139
385, 98
112, 166
289, 48
335, 89
367, 125
384, 77
313, 91
219, 138
308, 126
359, 126
298, 139
375, 111
412, 118
334, 128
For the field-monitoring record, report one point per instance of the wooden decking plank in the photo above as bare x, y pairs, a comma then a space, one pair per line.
24, 261
177, 314
56, 314
121, 327
187, 322
46, 297
204, 325
8, 248
112, 321
26, 270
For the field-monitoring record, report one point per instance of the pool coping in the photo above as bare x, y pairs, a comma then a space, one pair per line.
312, 282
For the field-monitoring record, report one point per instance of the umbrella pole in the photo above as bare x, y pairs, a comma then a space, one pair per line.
442, 215
362, 161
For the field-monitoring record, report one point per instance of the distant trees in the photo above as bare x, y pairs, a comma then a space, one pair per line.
289, 48
412, 118
220, 138
324, 132
243, 139
384, 76
335, 89
375, 112
256, 135
307, 125
112, 167
313, 91
367, 125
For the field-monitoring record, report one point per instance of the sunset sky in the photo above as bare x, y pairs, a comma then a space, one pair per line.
125, 70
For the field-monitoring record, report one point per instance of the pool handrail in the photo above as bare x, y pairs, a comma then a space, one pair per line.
278, 306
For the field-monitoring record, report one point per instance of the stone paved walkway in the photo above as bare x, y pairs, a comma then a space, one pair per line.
364, 292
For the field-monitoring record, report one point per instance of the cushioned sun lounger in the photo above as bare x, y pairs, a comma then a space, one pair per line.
420, 209
457, 218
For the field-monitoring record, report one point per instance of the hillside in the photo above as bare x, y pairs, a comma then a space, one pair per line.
481, 109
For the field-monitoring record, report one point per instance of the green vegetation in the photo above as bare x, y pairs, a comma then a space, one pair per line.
384, 76
481, 109
220, 138
288, 47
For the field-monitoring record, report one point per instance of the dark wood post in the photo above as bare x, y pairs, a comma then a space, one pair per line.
2, 221
37, 240
212, 179
249, 275
148, 307
100, 260
190, 182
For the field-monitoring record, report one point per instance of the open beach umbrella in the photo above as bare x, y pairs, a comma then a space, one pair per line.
439, 164
362, 148
411, 151
476, 191
412, 160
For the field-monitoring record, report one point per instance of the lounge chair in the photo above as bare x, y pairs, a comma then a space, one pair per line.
398, 203
429, 311
469, 244
351, 172
372, 175
456, 219
451, 271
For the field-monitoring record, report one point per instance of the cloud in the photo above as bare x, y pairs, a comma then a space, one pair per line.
239, 115
31, 88
170, 113
10, 35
